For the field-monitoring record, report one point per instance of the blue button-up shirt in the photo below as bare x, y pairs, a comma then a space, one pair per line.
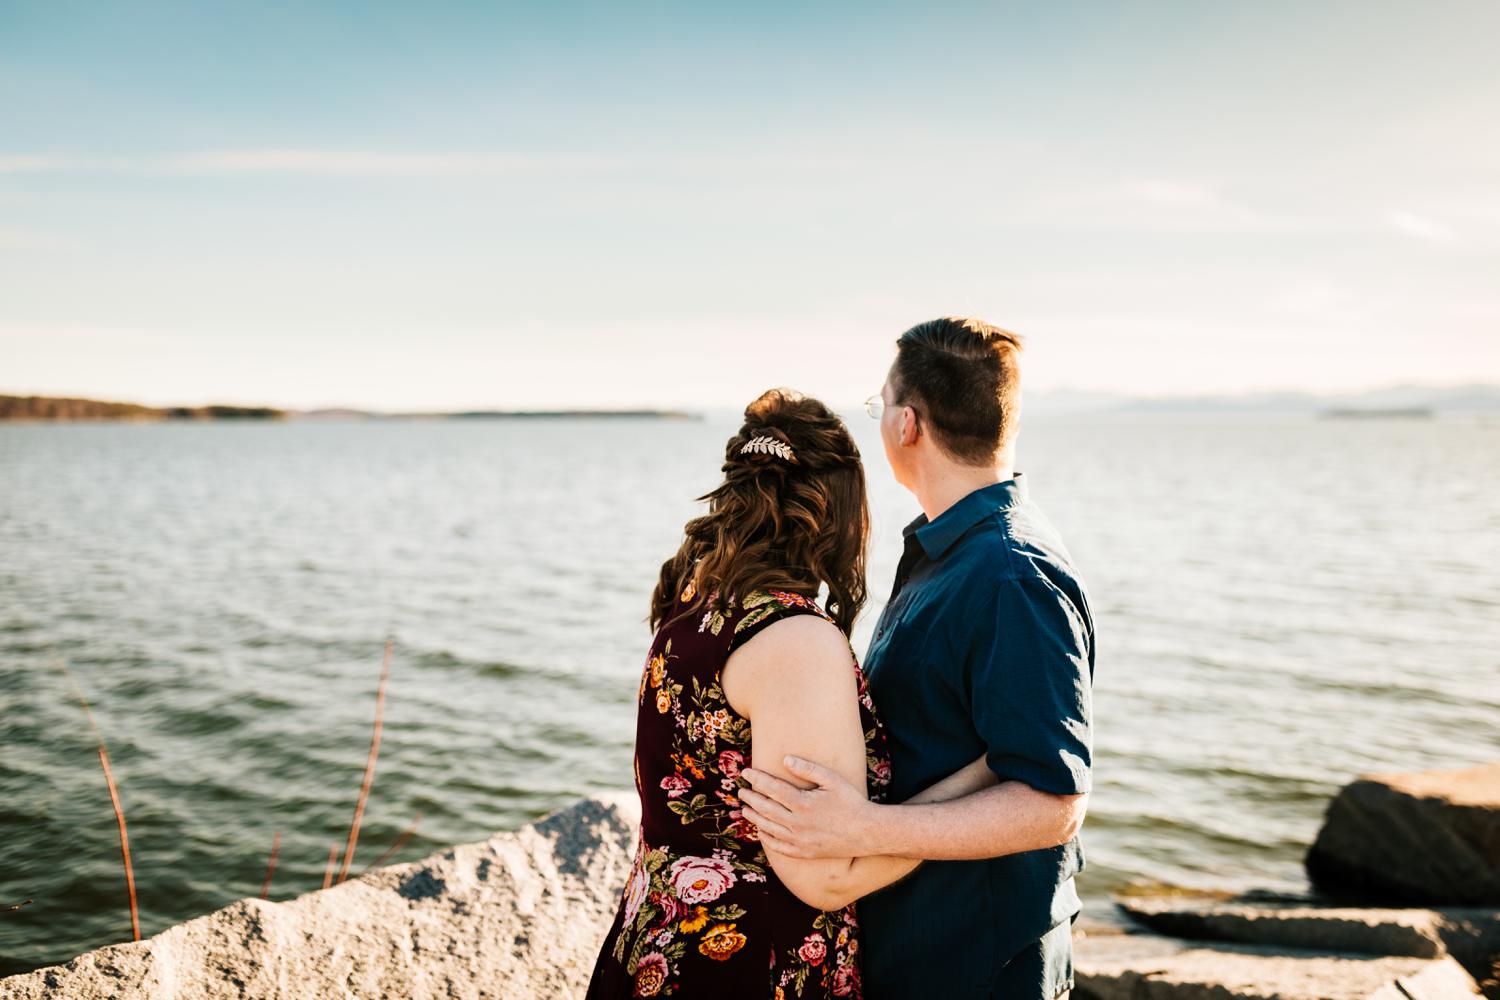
986, 647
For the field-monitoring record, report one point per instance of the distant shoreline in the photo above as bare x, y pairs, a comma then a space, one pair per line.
64, 409
520, 415
1378, 413
1390, 402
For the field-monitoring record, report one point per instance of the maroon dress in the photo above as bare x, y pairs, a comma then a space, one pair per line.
703, 913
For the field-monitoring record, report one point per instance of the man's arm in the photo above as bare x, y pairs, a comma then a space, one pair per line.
834, 819
876, 871
1009, 818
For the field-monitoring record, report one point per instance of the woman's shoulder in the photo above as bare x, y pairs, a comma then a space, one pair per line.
760, 604
791, 659
760, 608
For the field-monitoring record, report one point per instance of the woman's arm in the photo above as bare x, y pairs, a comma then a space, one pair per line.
965, 781
795, 683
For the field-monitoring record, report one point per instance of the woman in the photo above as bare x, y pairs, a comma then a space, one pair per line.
745, 664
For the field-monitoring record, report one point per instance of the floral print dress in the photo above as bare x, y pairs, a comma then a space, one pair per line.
702, 913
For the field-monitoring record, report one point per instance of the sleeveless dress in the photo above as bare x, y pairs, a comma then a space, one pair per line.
703, 913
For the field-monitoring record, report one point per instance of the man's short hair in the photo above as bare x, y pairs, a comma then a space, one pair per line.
964, 378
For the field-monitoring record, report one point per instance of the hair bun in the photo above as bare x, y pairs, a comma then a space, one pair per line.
786, 430
777, 408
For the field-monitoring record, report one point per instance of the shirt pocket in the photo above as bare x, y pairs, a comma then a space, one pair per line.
898, 616
921, 660
896, 642
926, 660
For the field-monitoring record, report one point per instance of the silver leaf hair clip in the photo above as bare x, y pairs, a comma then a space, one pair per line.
768, 446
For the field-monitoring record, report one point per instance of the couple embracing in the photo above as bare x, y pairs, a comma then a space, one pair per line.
942, 787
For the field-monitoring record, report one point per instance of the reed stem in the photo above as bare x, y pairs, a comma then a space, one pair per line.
364, 789
114, 798
400, 841
265, 888
333, 853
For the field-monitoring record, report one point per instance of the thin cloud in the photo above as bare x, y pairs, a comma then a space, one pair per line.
311, 161
351, 163
308, 161
1421, 227
1201, 205
31, 239
1315, 298
1163, 204
29, 163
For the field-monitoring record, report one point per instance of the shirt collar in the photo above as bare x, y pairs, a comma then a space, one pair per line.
938, 536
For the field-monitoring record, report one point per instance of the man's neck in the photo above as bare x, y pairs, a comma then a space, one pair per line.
942, 486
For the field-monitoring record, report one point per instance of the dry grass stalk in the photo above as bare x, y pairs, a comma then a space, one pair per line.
333, 853
364, 790
114, 798
265, 888
400, 842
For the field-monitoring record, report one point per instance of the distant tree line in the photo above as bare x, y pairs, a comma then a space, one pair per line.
62, 408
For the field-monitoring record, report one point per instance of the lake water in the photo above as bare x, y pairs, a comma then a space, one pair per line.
1281, 603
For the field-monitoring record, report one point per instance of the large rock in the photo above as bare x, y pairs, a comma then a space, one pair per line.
1415, 933
519, 915
1471, 936
1432, 837
1149, 967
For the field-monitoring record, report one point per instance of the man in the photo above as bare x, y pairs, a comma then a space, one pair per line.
985, 648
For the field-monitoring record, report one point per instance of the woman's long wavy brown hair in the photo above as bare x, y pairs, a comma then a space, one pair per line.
778, 524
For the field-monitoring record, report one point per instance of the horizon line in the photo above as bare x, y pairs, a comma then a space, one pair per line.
680, 407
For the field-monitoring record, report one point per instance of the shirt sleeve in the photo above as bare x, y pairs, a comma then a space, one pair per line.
1030, 687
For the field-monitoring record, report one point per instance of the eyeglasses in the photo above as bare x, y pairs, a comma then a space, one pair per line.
875, 406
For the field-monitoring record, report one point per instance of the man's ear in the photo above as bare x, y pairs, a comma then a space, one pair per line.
910, 430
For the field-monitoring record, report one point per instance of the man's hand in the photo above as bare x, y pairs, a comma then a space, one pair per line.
832, 820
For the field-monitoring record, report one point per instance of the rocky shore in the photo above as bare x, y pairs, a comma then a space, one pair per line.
518, 915
1387, 842
522, 914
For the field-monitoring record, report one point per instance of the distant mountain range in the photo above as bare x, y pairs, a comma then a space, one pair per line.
1397, 399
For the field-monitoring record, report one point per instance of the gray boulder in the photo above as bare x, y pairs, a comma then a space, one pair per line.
1431, 837
1469, 935
521, 914
1149, 967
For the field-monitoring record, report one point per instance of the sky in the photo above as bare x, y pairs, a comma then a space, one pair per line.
453, 205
